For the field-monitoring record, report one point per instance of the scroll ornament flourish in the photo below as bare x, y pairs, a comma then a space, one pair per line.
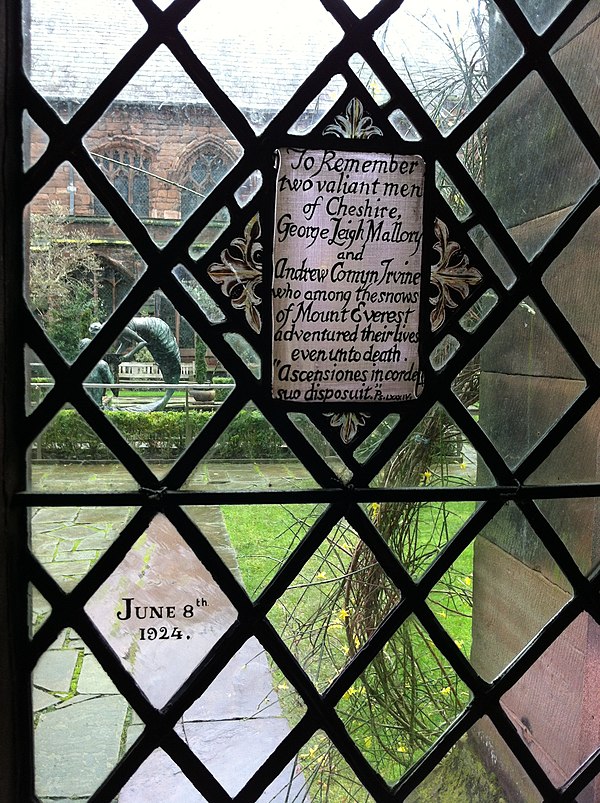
354, 124
349, 423
451, 276
240, 272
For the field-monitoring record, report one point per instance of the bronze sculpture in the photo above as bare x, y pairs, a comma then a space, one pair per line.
155, 335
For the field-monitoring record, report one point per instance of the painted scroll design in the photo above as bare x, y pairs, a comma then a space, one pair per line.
354, 123
240, 272
348, 423
451, 276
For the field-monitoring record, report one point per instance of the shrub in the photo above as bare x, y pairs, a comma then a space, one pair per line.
161, 435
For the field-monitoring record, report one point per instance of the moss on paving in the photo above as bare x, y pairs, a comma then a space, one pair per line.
461, 778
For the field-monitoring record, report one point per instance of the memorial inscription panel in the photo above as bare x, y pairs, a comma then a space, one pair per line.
347, 276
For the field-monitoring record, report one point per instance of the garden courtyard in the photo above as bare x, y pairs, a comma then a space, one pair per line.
79, 712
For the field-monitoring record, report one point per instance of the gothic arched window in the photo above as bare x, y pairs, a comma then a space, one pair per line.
128, 173
206, 171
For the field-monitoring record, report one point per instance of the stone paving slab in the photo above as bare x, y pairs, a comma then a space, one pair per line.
93, 679
54, 670
243, 690
73, 754
79, 740
42, 699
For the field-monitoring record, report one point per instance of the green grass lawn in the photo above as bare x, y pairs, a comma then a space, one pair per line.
329, 611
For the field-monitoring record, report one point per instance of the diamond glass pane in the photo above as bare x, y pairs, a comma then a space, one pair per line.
161, 610
263, 536
437, 453
571, 278
58, 30
531, 144
165, 180
509, 551
442, 54
218, 34
402, 702
80, 713
519, 365
332, 607
68, 454
560, 678
68, 541
567, 52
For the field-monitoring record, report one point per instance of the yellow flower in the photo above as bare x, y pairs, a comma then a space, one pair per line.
368, 741
348, 694
356, 642
427, 475
463, 465
459, 643
343, 614
442, 614
446, 691
321, 576
467, 581
283, 686
402, 748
